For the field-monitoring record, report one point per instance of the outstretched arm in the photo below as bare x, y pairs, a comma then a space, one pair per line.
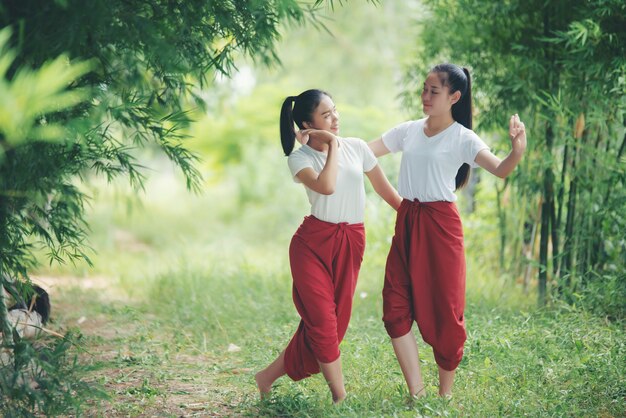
378, 147
383, 187
502, 168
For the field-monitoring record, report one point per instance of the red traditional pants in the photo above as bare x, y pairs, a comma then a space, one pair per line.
325, 261
425, 278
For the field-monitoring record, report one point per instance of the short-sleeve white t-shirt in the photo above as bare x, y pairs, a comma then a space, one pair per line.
347, 203
429, 164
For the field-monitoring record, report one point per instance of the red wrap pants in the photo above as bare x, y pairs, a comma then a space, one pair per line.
425, 278
325, 261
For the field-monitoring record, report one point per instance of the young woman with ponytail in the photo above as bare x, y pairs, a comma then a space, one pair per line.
425, 271
327, 249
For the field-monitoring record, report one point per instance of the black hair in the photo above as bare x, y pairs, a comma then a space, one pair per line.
37, 299
297, 109
458, 79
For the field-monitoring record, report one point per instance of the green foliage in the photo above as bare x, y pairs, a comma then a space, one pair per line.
561, 66
44, 376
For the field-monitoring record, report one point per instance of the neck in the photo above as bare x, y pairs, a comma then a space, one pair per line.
317, 145
439, 123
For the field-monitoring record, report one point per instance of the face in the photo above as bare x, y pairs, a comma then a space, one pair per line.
324, 117
436, 98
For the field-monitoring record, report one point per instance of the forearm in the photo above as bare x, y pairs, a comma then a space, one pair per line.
327, 178
390, 195
508, 164
385, 190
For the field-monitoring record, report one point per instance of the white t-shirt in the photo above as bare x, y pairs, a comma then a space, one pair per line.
347, 203
429, 164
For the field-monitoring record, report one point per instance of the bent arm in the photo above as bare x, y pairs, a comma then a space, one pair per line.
502, 168
323, 182
496, 166
378, 147
382, 186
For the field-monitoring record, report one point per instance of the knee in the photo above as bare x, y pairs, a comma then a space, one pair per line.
398, 325
449, 351
448, 360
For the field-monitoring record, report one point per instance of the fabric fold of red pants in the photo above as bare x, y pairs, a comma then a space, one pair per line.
325, 260
425, 278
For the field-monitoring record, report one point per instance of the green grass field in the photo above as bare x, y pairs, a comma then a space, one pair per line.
188, 301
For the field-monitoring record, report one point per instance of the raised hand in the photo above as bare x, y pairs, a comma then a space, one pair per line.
517, 134
303, 136
325, 137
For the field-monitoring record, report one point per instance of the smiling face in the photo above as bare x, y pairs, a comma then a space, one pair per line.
324, 117
436, 97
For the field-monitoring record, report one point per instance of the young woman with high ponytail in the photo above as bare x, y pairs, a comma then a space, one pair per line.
326, 251
425, 271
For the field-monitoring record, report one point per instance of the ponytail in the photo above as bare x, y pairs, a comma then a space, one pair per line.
458, 79
297, 109
462, 113
287, 133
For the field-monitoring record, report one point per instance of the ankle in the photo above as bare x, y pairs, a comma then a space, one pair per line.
447, 394
418, 391
263, 385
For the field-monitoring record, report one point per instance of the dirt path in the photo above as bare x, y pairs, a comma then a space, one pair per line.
145, 371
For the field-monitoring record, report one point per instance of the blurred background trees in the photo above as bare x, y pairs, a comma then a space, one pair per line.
161, 94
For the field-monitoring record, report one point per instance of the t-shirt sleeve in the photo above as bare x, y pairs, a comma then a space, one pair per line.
369, 160
298, 161
472, 145
394, 138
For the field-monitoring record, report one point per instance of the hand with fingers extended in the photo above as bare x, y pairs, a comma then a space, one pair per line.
517, 134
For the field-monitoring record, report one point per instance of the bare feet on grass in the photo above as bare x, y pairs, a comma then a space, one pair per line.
420, 392
338, 398
264, 387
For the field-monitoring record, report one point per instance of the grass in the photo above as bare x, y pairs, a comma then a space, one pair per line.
185, 283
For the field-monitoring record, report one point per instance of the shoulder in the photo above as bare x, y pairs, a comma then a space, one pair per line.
353, 142
412, 124
298, 154
404, 129
299, 159
357, 145
463, 133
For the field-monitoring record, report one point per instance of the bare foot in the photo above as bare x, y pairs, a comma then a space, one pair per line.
420, 393
264, 387
337, 399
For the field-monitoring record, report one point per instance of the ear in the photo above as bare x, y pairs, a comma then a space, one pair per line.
455, 97
307, 125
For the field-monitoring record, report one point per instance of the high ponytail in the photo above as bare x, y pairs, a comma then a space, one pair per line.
287, 133
458, 79
297, 109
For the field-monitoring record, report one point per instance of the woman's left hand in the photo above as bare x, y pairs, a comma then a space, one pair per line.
517, 133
